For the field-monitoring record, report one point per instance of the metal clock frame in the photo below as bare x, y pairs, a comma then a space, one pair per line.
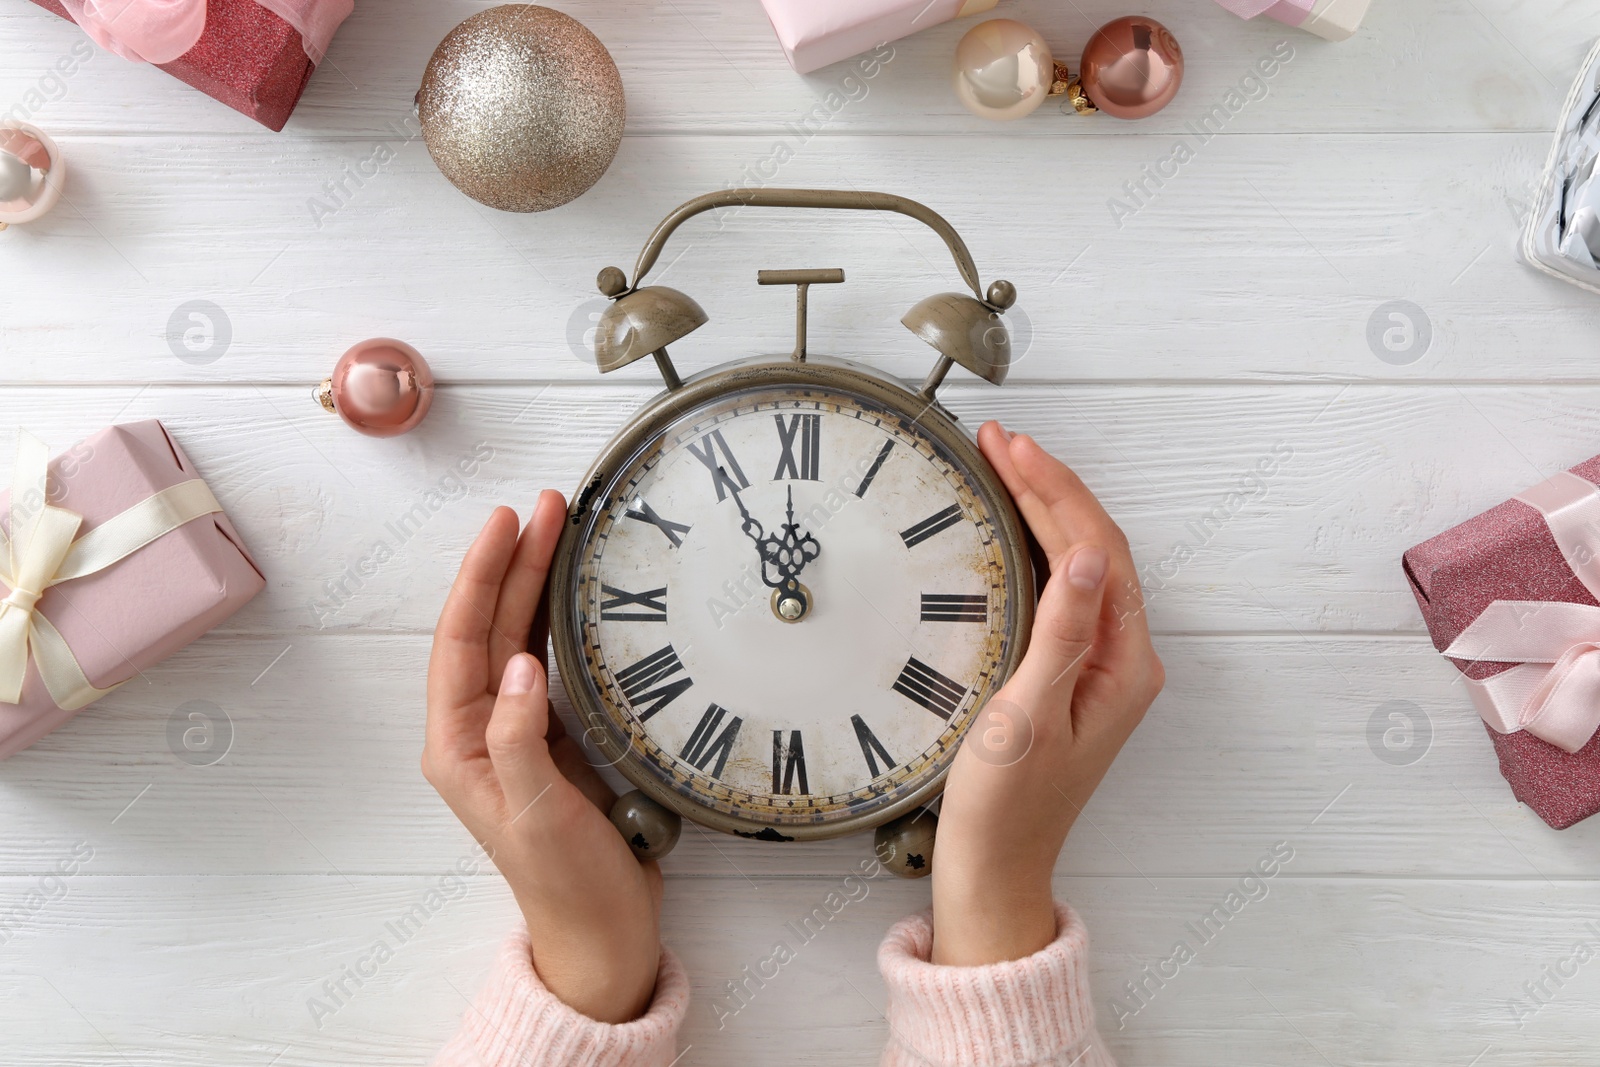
795, 373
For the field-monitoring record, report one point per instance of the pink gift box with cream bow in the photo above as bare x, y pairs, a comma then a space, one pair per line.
110, 563
1333, 20
1512, 597
815, 33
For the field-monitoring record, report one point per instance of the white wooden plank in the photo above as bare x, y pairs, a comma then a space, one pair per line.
1264, 258
715, 64
162, 971
1355, 475
1254, 738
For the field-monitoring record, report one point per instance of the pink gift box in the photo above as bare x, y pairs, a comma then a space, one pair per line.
815, 33
1509, 553
142, 609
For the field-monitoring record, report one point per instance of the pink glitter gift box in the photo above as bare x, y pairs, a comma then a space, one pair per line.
1509, 553
155, 600
247, 57
815, 33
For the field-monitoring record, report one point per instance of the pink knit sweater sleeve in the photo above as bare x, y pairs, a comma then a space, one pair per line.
1032, 1012
516, 1022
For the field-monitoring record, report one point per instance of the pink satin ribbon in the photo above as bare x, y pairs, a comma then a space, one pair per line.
1290, 12
1555, 693
159, 31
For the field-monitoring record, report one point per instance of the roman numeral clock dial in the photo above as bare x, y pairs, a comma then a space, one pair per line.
790, 602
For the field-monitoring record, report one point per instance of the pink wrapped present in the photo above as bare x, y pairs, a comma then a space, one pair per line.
253, 55
1513, 598
1333, 20
815, 33
117, 559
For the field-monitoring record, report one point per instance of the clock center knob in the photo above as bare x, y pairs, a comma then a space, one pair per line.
791, 601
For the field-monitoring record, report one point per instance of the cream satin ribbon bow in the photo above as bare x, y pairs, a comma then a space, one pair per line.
44, 550
1555, 693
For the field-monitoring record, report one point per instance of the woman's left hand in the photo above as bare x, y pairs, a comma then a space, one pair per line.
499, 756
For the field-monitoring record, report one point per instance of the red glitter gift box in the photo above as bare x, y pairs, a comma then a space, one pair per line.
247, 57
1509, 553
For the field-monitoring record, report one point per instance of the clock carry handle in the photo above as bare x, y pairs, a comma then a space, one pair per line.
827, 199
643, 321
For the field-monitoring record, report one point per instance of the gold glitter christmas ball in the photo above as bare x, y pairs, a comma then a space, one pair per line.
522, 108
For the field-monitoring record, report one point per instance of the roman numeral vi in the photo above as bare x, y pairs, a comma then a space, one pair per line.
786, 761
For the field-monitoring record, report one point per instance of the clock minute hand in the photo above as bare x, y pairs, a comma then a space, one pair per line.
789, 554
802, 548
782, 558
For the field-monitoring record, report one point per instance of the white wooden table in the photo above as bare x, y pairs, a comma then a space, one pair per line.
1226, 320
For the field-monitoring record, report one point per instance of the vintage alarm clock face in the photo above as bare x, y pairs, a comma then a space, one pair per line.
786, 590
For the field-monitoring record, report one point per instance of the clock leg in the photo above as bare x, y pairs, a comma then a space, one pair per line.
905, 846
648, 828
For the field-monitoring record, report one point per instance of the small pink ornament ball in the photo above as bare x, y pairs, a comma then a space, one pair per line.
1132, 67
381, 387
32, 172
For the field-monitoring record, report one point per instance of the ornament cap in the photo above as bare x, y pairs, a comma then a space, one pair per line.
323, 394
1078, 98
1063, 79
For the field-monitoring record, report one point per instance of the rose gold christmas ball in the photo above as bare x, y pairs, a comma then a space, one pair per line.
381, 387
1132, 67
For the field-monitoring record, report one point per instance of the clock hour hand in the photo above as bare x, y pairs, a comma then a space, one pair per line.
752, 529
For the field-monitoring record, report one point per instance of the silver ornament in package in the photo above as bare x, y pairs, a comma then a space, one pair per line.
1563, 236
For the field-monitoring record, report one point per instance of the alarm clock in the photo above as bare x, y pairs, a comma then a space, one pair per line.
789, 583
